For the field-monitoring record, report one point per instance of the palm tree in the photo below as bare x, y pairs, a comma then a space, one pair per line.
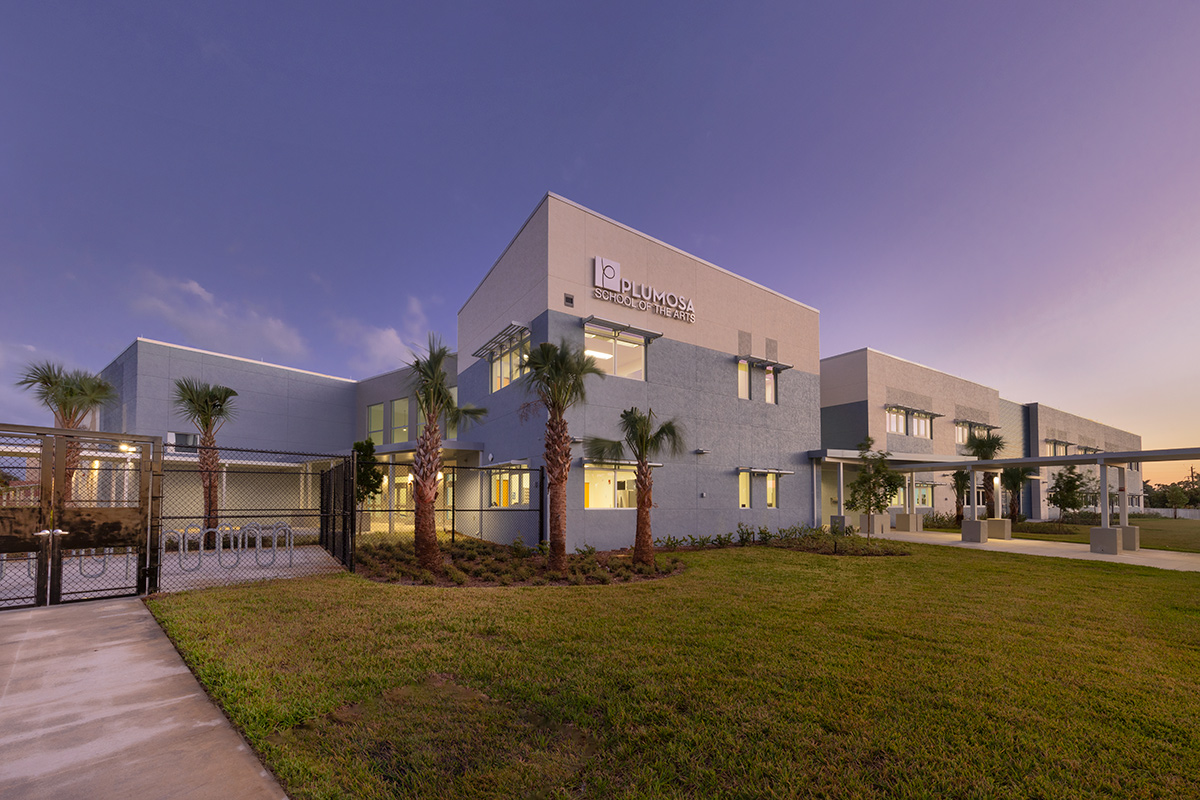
960, 479
985, 448
1013, 480
435, 400
555, 373
208, 407
644, 441
71, 396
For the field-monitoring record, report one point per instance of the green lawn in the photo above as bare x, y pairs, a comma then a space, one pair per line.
1157, 534
758, 672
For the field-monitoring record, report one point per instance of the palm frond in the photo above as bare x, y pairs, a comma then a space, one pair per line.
556, 373
206, 405
599, 449
70, 396
985, 447
435, 396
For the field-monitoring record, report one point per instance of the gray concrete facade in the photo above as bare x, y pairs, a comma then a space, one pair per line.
859, 388
278, 408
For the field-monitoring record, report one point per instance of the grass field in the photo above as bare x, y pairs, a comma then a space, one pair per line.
1182, 535
756, 673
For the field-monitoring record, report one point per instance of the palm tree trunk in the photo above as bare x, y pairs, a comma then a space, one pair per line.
958, 510
1014, 505
210, 464
989, 496
643, 542
426, 461
71, 465
558, 468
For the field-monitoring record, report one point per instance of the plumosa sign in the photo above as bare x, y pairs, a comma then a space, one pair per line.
612, 287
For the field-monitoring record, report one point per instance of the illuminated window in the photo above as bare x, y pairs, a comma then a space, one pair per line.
743, 489
622, 355
896, 419
962, 432
772, 495
375, 423
898, 497
609, 486
770, 393
510, 487
743, 380
400, 420
925, 494
921, 426
506, 361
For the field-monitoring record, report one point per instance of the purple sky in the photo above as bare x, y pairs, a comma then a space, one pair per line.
1005, 191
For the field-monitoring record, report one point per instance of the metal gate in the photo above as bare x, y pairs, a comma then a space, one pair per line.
76, 512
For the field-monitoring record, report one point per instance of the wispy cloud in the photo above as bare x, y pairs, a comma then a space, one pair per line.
211, 323
378, 350
17, 406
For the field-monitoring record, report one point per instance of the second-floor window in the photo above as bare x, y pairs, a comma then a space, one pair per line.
375, 423
400, 420
507, 359
897, 421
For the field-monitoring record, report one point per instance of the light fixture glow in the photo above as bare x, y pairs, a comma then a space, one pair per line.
597, 354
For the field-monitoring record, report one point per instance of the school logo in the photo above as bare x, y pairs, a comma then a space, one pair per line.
608, 274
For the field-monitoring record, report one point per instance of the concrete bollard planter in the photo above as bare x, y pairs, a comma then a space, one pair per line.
1106, 540
873, 523
999, 528
1131, 538
975, 530
910, 522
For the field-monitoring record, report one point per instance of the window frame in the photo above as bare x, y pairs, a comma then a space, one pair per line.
745, 490
596, 334
400, 403
619, 473
771, 387
381, 406
506, 362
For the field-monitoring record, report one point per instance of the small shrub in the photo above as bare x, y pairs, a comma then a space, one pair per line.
575, 579
745, 534
539, 581
723, 540
764, 535
543, 549
941, 519
426, 577
587, 551
602, 576
456, 575
700, 541
668, 543
505, 580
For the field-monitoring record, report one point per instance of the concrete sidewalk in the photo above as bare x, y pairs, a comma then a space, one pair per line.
95, 703
1162, 559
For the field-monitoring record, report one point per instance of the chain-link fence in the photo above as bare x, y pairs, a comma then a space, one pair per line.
496, 504
232, 515
20, 515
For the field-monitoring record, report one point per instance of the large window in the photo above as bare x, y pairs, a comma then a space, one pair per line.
921, 426
506, 360
375, 423
620, 354
772, 490
400, 420
743, 490
743, 380
510, 487
609, 486
771, 397
896, 419
962, 432
925, 494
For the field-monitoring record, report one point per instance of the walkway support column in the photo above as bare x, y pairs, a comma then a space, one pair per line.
838, 521
1105, 539
910, 520
974, 529
1131, 535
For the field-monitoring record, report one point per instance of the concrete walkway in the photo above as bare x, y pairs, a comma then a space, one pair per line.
95, 703
1162, 559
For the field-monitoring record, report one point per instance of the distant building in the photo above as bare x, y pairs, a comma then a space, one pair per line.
921, 414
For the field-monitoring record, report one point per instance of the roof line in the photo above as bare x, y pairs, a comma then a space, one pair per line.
237, 358
681, 251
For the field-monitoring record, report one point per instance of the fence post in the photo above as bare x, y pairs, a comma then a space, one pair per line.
453, 471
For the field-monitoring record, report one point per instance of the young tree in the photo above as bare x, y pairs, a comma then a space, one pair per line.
555, 375
1176, 496
71, 395
1066, 490
368, 478
985, 448
435, 400
960, 480
1012, 480
876, 484
644, 442
208, 407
